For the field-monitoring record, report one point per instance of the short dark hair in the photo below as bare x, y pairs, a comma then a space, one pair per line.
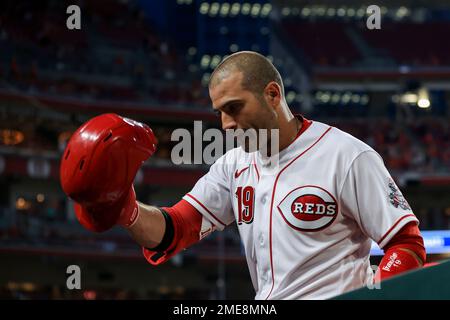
257, 71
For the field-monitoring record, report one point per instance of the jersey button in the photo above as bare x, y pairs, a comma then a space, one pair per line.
268, 275
264, 199
261, 240
264, 277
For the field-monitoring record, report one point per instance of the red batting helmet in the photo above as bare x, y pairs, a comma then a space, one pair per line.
99, 165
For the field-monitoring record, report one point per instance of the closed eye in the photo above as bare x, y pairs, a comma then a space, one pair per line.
233, 109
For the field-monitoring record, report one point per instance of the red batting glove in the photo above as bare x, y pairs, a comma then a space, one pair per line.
99, 218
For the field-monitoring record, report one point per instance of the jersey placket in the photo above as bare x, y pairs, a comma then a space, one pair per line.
265, 196
261, 230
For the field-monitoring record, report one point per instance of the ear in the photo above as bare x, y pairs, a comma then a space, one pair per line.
272, 92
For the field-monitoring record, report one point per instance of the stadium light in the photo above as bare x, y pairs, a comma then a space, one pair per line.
89, 295
266, 9
286, 11
256, 8
235, 8
402, 12
360, 12
192, 51
290, 96
245, 9
215, 61
204, 8
335, 97
11, 137
356, 98
409, 98
204, 62
325, 97
351, 12
205, 79
423, 103
306, 12
364, 99
12, 285
346, 97
234, 47
318, 95
341, 12
22, 204
331, 12
214, 9
321, 11
224, 9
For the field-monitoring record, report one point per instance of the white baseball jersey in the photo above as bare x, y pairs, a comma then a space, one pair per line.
307, 225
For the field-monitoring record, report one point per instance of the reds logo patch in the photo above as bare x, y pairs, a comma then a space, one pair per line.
308, 208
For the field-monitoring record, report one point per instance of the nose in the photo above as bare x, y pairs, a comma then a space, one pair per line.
228, 122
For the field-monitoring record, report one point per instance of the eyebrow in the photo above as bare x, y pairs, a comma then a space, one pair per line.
228, 103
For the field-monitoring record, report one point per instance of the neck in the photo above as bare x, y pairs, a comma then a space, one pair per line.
288, 125
289, 128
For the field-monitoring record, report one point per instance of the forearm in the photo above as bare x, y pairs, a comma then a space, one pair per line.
149, 228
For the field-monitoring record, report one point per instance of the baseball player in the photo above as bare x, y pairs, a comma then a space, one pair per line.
306, 224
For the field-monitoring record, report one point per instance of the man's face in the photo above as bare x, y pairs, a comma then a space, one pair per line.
240, 108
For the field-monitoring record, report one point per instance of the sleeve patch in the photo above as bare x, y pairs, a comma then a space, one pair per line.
396, 197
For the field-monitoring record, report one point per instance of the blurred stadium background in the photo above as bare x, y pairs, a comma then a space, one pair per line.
150, 60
